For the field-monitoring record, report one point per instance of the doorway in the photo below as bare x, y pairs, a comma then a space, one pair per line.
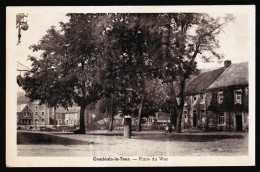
194, 118
239, 121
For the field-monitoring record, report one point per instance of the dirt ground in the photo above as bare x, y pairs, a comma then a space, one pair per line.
146, 143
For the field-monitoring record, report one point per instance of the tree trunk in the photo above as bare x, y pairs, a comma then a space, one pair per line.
55, 118
127, 127
87, 119
178, 122
140, 112
111, 113
82, 129
172, 119
178, 108
229, 121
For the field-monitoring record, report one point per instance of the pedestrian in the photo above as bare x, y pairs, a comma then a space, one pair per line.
173, 128
166, 129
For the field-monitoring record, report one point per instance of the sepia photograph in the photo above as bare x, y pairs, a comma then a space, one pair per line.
130, 86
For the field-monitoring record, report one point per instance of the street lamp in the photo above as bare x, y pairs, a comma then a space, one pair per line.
21, 25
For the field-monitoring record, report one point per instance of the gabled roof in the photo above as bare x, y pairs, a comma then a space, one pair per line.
203, 81
235, 74
73, 109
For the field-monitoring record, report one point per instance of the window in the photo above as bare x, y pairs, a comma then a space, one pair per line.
42, 121
185, 116
220, 97
36, 107
194, 99
185, 100
36, 113
203, 120
221, 118
202, 112
202, 98
42, 113
238, 96
26, 114
36, 121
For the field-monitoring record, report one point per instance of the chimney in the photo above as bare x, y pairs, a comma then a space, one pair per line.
227, 63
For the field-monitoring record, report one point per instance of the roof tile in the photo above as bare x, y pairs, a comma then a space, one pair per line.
236, 74
203, 81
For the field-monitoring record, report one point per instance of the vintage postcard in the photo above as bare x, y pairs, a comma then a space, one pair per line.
130, 86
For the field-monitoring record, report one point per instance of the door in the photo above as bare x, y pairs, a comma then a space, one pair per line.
239, 122
194, 118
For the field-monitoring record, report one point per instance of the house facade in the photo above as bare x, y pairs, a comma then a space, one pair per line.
162, 117
218, 99
41, 113
69, 116
230, 98
24, 115
33, 114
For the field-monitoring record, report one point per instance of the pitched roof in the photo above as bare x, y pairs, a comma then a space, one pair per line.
235, 74
203, 81
73, 109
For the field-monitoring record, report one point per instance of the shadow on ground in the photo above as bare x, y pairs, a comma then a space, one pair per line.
96, 134
182, 137
38, 138
188, 137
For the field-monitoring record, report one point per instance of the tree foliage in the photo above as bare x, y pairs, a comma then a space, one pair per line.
68, 71
187, 37
96, 56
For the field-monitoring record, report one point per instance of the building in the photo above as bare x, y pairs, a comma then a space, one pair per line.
24, 115
230, 98
33, 113
69, 116
196, 98
162, 117
218, 99
41, 113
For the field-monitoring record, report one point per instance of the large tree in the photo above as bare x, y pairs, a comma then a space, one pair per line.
125, 46
42, 81
131, 42
75, 63
185, 38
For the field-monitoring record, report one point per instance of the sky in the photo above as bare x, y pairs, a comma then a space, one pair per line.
235, 42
